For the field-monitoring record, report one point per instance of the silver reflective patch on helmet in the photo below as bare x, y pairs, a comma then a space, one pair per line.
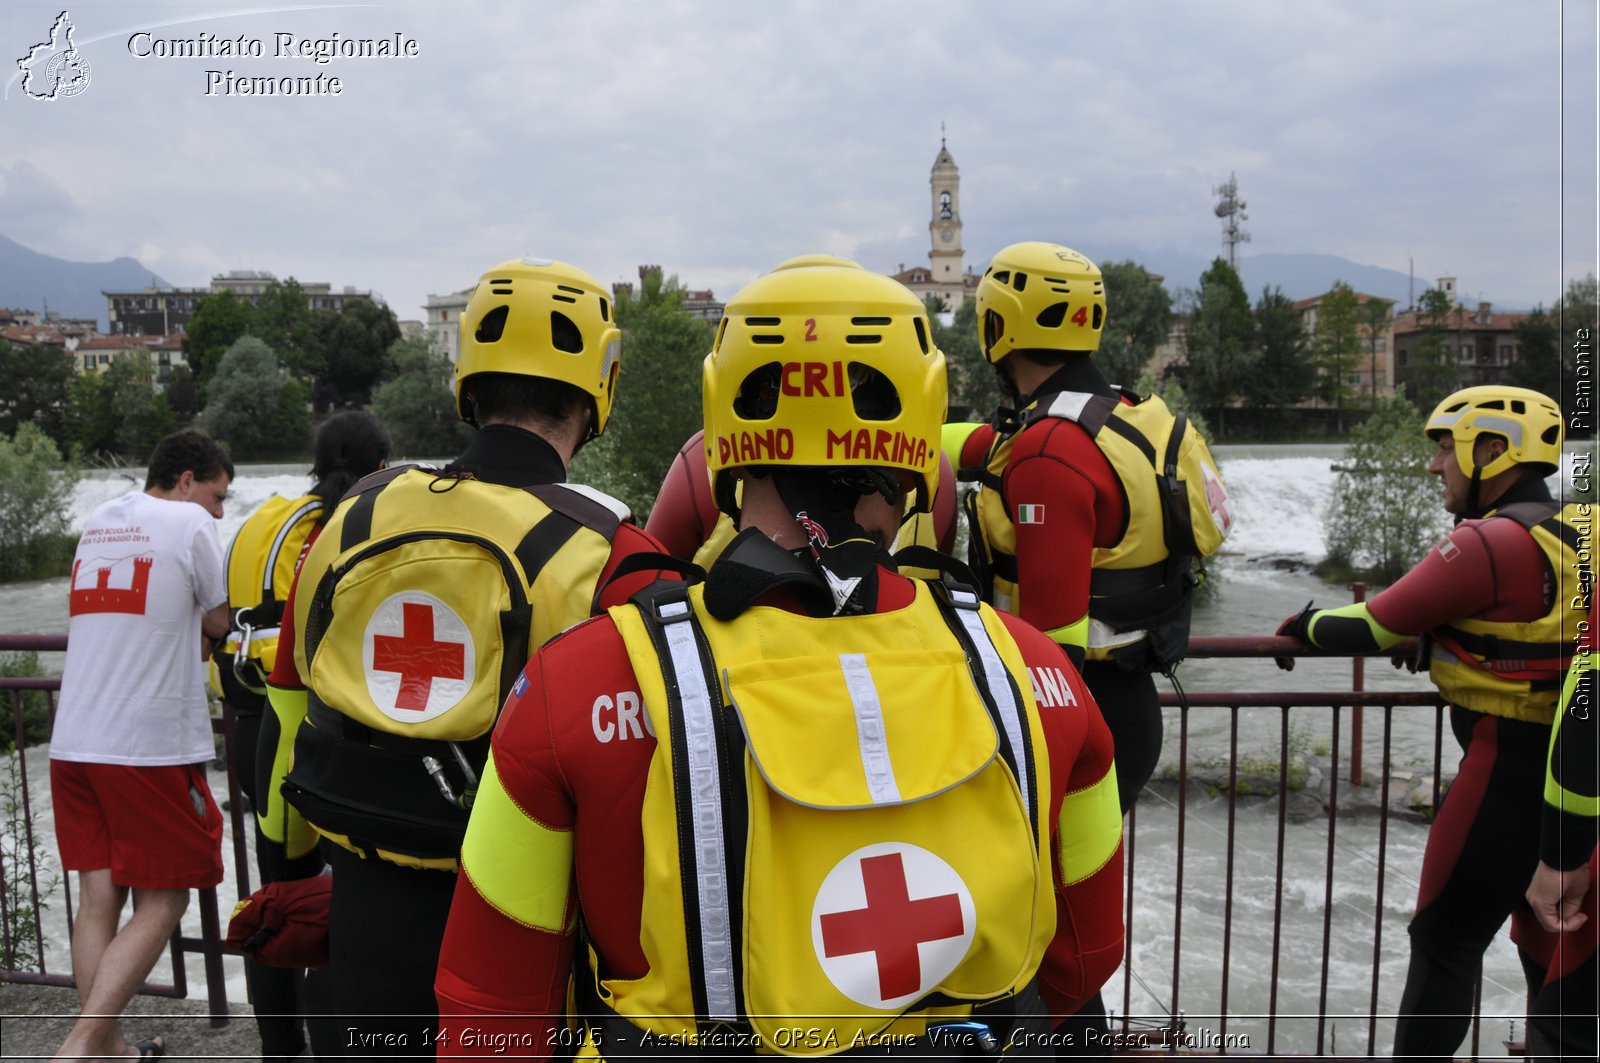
613, 355
1512, 430
526, 261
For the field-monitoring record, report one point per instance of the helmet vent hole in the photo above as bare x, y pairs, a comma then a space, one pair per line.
722, 330
1518, 407
1053, 315
867, 321
493, 325
766, 337
757, 399
569, 288
563, 298
994, 327
1552, 434
564, 333
1493, 404
500, 291
763, 322
1019, 281
1099, 313
1003, 277
922, 334
873, 394
605, 310
863, 337
1055, 280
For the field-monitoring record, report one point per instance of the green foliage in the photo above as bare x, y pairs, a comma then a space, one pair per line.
26, 855
1374, 316
284, 320
974, 391
1177, 400
254, 407
35, 706
1138, 319
418, 404
141, 411
1385, 512
37, 380
1336, 347
355, 344
1578, 316
35, 491
218, 323
1222, 352
182, 393
1285, 374
1433, 359
90, 421
658, 395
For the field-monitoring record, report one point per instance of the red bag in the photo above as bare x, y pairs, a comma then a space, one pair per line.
284, 924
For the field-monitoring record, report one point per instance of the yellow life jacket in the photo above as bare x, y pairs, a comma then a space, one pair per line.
1141, 589
1515, 668
859, 839
417, 607
260, 565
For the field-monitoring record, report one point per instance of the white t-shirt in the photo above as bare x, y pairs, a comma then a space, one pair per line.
133, 689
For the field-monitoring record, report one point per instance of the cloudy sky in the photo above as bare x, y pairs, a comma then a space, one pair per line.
717, 138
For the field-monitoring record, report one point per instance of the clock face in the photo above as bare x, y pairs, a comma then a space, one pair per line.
946, 233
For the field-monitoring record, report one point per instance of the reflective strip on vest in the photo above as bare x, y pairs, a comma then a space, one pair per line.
870, 731
1090, 828
526, 882
277, 544
1068, 405
705, 804
997, 679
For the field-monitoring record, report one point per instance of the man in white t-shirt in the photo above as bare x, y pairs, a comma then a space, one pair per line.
133, 731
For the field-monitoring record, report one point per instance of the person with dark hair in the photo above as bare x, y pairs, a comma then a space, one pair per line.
808, 803
132, 732
261, 563
413, 614
1501, 602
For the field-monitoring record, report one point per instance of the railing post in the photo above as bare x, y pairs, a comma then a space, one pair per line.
1358, 680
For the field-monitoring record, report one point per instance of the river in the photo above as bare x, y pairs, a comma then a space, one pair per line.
1280, 495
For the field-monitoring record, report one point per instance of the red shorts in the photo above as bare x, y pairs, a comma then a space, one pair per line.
156, 828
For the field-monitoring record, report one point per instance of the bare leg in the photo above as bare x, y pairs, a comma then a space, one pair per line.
99, 907
124, 964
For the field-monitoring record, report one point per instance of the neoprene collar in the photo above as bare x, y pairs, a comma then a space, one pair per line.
511, 457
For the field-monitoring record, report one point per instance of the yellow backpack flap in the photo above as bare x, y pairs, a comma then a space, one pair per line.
878, 851
260, 565
397, 590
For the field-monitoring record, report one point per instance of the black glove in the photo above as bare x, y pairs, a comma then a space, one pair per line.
1297, 627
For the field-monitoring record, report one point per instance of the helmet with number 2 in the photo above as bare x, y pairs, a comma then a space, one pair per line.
1040, 296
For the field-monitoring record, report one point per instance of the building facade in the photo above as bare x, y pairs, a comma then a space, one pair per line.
162, 311
1483, 344
945, 278
1372, 378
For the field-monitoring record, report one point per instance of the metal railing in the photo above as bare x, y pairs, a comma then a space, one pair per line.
209, 945
1166, 816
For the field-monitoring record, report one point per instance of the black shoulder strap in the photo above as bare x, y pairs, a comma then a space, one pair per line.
1528, 514
356, 525
595, 516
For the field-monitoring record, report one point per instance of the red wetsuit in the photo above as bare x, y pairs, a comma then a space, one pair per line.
685, 513
573, 762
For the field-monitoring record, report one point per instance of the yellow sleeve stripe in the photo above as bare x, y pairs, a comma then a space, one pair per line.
953, 437
280, 821
1556, 795
520, 866
1074, 634
1090, 828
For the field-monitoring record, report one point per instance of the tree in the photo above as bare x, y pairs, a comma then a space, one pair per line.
1220, 337
217, 324
1374, 317
35, 497
355, 343
974, 389
1433, 359
1540, 363
141, 412
253, 407
1285, 374
90, 422
1579, 318
1138, 319
1385, 511
182, 395
1336, 347
284, 320
658, 394
418, 404
37, 381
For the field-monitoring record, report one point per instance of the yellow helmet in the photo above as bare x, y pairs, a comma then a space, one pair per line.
534, 317
820, 259
1039, 296
1529, 421
825, 365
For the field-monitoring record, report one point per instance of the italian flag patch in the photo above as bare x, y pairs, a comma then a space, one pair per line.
1030, 514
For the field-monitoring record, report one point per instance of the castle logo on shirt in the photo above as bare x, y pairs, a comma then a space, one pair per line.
1030, 514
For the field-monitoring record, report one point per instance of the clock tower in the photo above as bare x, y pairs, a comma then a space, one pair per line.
944, 227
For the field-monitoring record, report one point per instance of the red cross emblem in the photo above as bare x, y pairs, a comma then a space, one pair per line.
893, 947
419, 657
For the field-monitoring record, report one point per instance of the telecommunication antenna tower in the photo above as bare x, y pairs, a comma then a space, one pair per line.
1231, 209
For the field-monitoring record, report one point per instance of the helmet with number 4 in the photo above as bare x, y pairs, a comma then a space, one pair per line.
1529, 422
1040, 296
540, 318
820, 365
